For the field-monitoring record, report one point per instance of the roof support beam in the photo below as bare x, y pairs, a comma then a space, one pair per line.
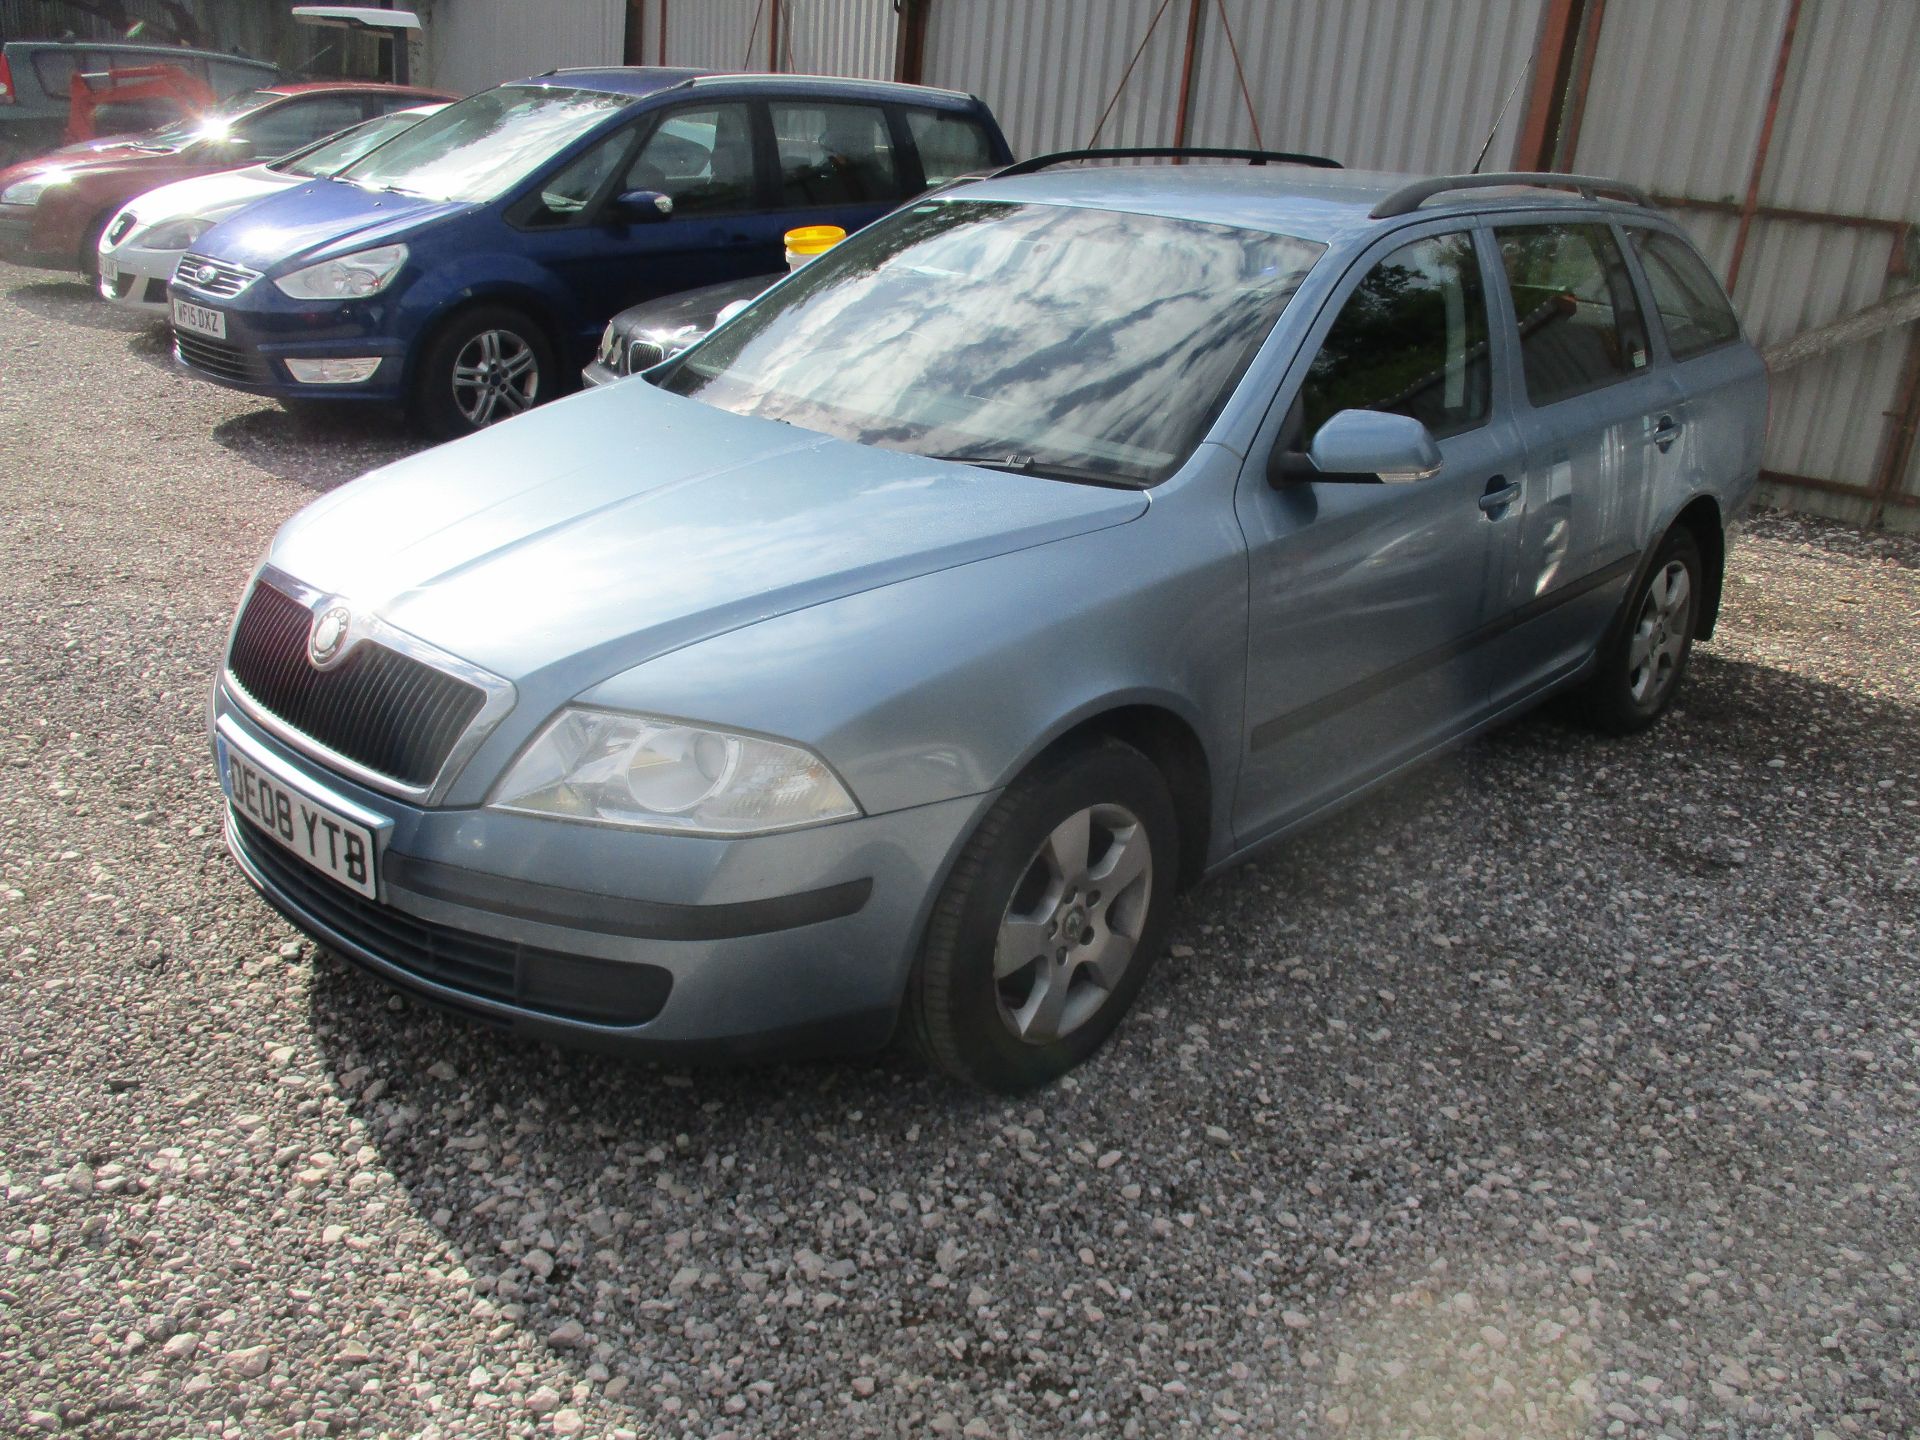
1547, 91
910, 41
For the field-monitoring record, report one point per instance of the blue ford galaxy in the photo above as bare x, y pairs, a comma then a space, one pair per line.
464, 272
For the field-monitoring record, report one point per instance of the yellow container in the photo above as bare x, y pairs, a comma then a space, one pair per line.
807, 241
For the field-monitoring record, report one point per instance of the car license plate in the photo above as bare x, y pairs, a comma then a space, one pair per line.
110, 271
200, 319
317, 833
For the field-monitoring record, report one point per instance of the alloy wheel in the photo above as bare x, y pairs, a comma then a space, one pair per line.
495, 376
1660, 634
1069, 933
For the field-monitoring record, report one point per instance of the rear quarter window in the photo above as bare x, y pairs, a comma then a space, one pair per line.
949, 145
1694, 310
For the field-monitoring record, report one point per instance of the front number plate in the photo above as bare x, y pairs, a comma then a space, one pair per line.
200, 319
318, 834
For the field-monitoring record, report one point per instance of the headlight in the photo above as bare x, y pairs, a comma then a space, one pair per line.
28, 192
176, 234
662, 775
610, 347
351, 277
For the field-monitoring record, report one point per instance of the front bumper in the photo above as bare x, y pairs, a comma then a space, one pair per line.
138, 277
265, 330
670, 945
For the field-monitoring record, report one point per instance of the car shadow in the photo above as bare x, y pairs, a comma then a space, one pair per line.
73, 302
318, 447
1340, 1024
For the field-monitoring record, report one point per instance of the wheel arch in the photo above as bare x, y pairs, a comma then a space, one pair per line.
1701, 516
1174, 747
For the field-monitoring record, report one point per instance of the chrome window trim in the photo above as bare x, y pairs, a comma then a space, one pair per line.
500, 694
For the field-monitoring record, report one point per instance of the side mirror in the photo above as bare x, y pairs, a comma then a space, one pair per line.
642, 205
1362, 445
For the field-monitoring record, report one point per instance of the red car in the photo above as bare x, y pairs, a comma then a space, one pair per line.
53, 208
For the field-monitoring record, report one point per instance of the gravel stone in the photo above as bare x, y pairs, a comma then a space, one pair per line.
1610, 1049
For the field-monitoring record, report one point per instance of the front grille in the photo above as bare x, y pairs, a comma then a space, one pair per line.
213, 277
216, 357
643, 355
389, 712
571, 987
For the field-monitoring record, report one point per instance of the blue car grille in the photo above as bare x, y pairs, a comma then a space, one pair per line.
213, 277
572, 987
389, 712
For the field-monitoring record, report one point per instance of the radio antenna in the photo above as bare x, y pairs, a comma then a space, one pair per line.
1481, 158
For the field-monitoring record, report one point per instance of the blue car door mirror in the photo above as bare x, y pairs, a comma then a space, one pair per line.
642, 205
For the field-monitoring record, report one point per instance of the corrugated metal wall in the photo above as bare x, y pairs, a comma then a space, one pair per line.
1677, 100
838, 37
1371, 82
1049, 69
718, 34
1378, 84
473, 44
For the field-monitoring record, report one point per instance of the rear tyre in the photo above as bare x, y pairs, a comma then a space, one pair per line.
1054, 913
486, 365
1641, 666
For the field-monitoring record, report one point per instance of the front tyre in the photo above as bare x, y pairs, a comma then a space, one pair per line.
1055, 911
488, 364
1640, 668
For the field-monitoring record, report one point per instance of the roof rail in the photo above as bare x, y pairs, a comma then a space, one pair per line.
1409, 198
1169, 152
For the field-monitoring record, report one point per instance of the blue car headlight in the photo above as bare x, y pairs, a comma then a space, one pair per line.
655, 774
351, 277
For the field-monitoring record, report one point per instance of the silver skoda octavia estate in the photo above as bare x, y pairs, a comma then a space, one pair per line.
887, 661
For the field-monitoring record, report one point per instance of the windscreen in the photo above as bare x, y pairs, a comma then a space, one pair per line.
1034, 336
481, 147
336, 152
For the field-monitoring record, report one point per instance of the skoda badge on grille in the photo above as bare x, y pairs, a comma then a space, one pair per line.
327, 641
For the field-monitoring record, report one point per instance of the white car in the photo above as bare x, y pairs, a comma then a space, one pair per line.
144, 242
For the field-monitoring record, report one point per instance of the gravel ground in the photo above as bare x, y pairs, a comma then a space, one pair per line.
1567, 1089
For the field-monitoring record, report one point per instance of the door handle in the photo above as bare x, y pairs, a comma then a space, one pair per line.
1666, 430
1501, 492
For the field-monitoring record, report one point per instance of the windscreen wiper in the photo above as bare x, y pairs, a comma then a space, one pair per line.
1044, 469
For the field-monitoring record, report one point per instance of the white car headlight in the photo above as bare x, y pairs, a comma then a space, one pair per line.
351, 277
28, 192
656, 774
176, 234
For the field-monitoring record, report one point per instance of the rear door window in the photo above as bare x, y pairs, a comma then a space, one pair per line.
1411, 340
1693, 308
949, 145
1580, 326
834, 155
702, 158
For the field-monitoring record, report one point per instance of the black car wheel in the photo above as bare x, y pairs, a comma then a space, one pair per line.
1054, 913
488, 364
